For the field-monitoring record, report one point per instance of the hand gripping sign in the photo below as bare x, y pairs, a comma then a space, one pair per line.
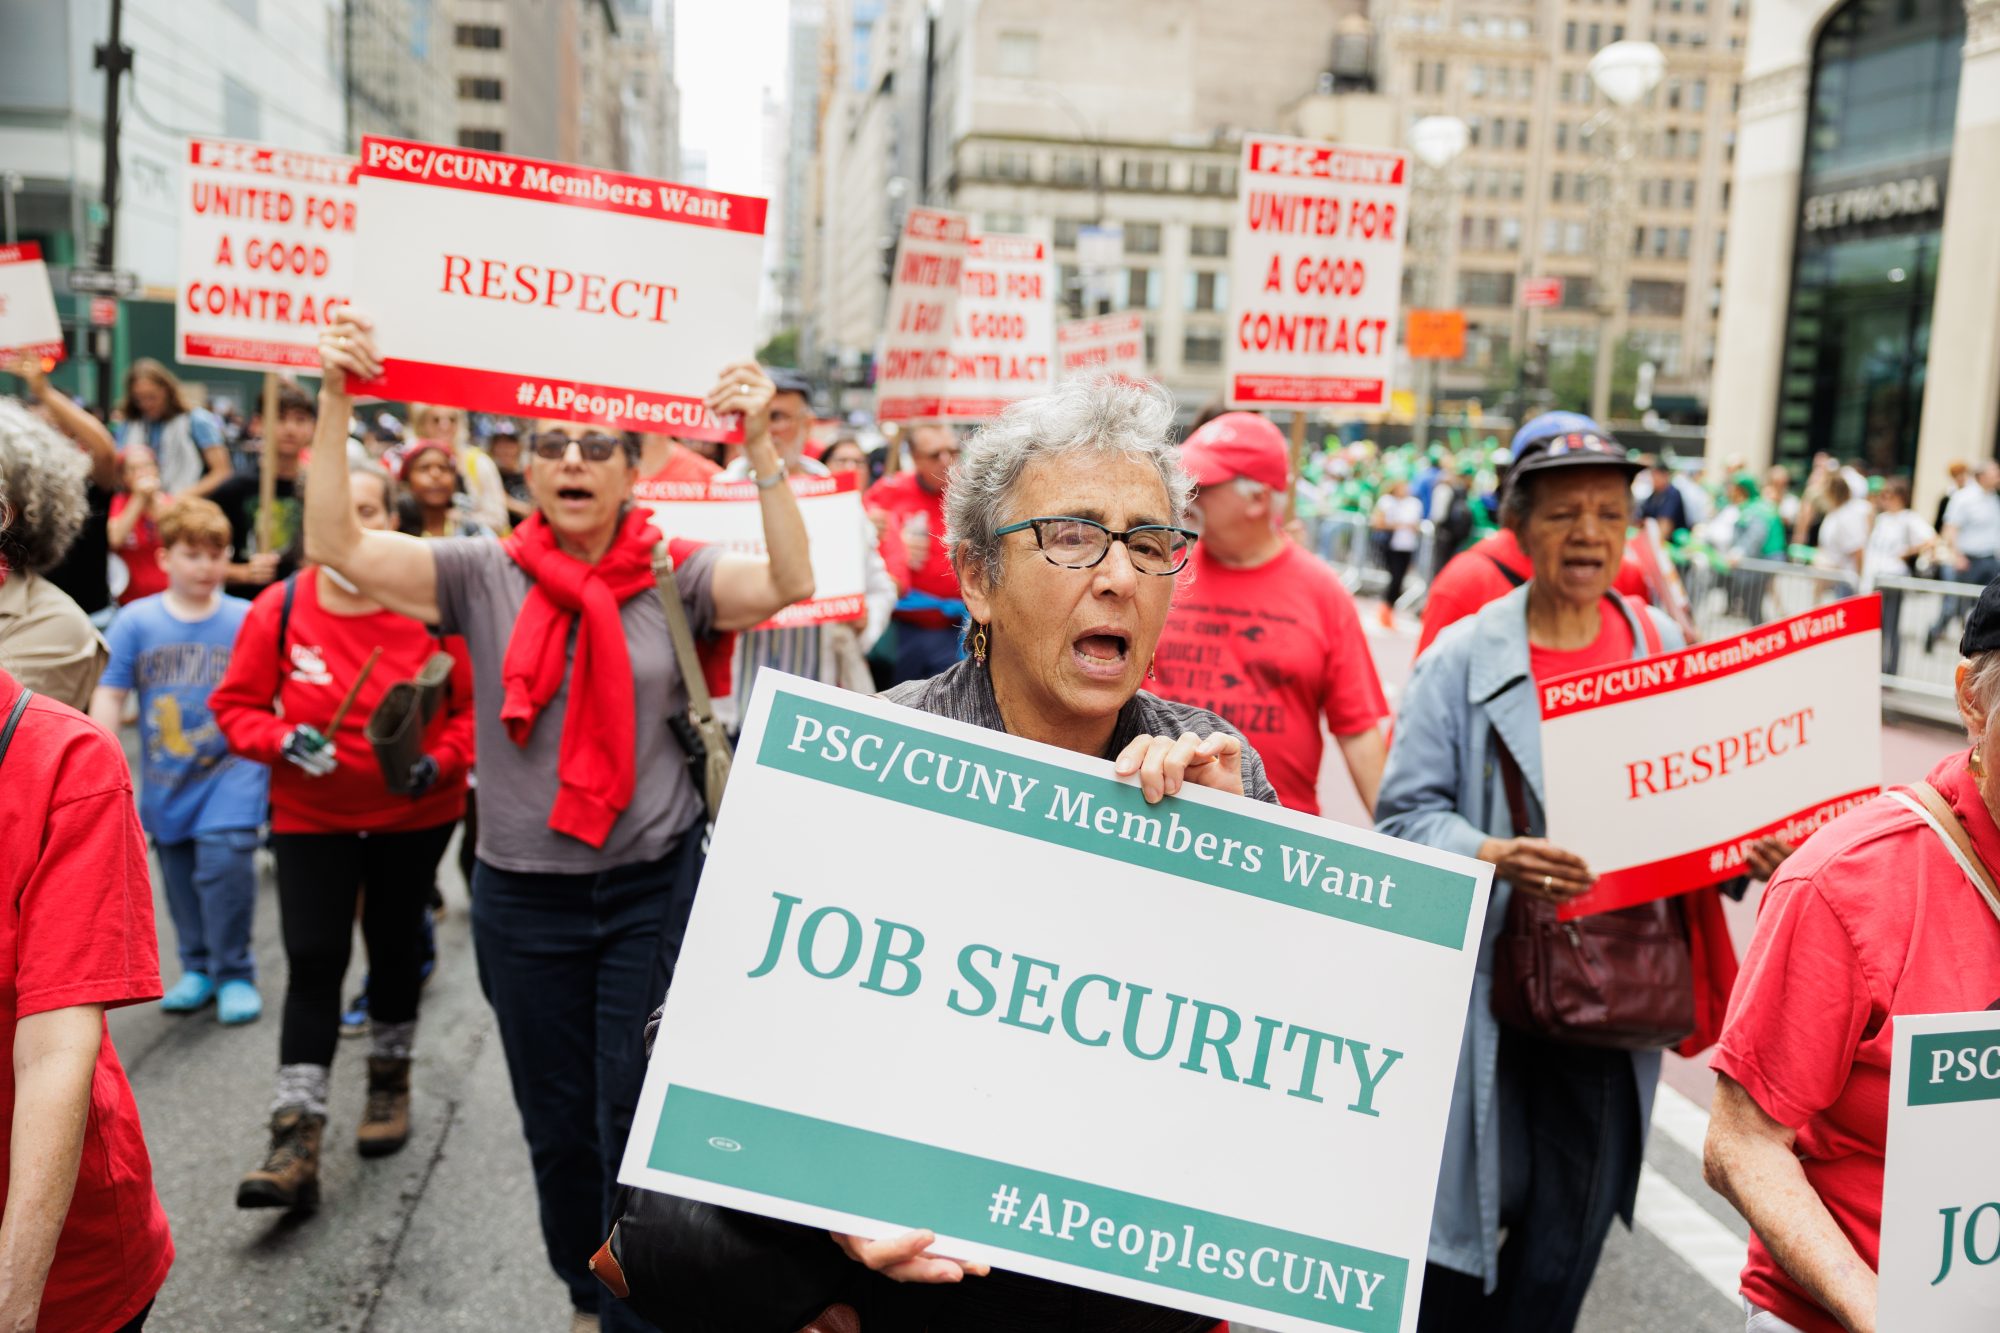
267, 254
913, 375
1661, 772
1026, 1040
728, 512
1110, 345
1316, 274
1940, 1260
28, 320
537, 289
1003, 345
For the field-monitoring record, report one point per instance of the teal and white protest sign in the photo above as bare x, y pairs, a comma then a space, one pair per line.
1197, 1053
1940, 1268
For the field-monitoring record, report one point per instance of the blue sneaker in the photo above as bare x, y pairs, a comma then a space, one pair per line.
193, 991
354, 1022
238, 1002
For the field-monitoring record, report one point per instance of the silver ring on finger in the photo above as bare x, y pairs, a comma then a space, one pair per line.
1548, 883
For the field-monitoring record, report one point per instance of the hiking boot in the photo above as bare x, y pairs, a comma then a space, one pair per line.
289, 1177
385, 1125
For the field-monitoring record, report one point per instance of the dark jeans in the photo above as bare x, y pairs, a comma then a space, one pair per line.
1398, 565
319, 875
573, 965
1892, 629
923, 652
1569, 1160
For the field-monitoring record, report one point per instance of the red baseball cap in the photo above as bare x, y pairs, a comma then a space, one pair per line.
1238, 444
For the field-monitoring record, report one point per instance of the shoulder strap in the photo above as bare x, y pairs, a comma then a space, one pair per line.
699, 704
1647, 629
285, 617
1510, 575
13, 721
1945, 823
1516, 787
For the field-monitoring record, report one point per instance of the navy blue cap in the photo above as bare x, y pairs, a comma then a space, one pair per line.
1554, 423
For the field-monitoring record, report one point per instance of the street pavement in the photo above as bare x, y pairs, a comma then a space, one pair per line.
443, 1236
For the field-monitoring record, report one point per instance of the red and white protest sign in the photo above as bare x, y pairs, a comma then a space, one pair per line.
727, 512
1541, 293
1003, 344
1316, 275
28, 320
538, 289
1110, 345
913, 374
267, 254
1661, 772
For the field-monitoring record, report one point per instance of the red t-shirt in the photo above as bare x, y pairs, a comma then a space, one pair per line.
1272, 650
902, 496
324, 654
1871, 917
76, 927
1612, 644
1471, 579
683, 465
141, 554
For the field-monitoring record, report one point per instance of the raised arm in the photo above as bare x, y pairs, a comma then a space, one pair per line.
71, 420
397, 570
749, 590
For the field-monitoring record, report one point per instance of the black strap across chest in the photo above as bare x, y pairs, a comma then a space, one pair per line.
13, 721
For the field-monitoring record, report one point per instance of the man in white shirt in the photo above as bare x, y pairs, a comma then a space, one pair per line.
1971, 540
1844, 533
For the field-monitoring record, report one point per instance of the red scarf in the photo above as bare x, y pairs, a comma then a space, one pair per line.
595, 764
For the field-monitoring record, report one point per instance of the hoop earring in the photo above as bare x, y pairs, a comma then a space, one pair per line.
979, 645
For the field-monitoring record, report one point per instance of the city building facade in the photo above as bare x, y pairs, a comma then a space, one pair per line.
538, 78
399, 69
1529, 203
1859, 315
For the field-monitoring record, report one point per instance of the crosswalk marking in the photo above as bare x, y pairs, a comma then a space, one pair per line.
1686, 1228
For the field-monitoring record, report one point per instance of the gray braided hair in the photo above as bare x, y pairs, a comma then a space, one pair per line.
42, 497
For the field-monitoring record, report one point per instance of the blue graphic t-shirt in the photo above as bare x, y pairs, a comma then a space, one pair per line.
189, 781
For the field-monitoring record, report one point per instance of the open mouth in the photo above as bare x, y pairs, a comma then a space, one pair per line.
1102, 652
575, 494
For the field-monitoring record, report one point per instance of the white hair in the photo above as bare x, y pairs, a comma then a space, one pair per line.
42, 496
1103, 415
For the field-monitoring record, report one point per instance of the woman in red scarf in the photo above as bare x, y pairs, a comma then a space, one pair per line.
1877, 914
590, 826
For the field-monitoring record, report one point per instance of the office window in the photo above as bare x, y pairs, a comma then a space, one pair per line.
1065, 233
1142, 289
1682, 239
1417, 76
1475, 81
1557, 180
1687, 194
1020, 54
1694, 143
1698, 95
242, 117
1510, 234
1596, 36
1524, 81
1202, 349
1517, 184
1520, 134
1006, 224
1650, 296
489, 140
479, 90
1489, 231
1070, 169
1674, 94
1562, 136
1551, 236
1212, 242
1574, 238
1142, 173
1569, 36
1645, 194
482, 36
1142, 238
1659, 242
1208, 291
1494, 289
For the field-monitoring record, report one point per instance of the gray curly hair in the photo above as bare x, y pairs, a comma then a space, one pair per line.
42, 498
1098, 415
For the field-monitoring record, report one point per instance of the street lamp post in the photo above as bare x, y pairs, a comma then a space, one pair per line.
1436, 141
1625, 72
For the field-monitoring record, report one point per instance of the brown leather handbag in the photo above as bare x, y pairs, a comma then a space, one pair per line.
1622, 980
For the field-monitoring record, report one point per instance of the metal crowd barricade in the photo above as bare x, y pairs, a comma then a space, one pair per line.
1730, 599
1346, 542
1921, 623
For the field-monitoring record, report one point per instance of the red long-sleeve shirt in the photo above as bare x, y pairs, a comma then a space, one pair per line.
324, 654
901, 495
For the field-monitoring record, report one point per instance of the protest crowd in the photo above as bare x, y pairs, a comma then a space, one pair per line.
331, 647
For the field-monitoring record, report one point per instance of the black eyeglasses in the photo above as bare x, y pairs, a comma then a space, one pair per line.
1081, 543
597, 446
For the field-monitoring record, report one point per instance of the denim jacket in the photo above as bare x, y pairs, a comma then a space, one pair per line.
1443, 788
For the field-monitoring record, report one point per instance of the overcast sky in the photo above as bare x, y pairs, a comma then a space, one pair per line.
726, 52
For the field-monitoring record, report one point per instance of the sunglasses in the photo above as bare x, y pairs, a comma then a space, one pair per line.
595, 446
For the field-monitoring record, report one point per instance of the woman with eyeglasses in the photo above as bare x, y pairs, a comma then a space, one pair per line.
1065, 524
591, 829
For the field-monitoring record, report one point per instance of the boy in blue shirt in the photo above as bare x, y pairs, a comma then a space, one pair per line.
201, 804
